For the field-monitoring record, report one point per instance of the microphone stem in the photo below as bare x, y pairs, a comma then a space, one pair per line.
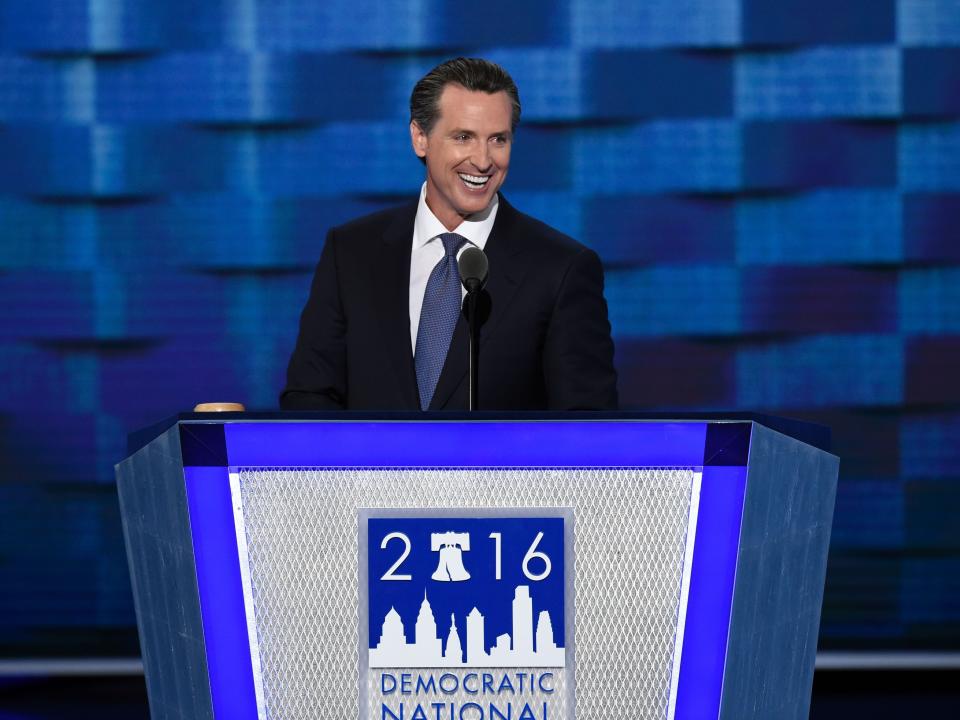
474, 327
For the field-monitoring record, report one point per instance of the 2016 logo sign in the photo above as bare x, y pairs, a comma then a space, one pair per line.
466, 592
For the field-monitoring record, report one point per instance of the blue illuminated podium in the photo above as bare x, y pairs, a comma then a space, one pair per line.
304, 566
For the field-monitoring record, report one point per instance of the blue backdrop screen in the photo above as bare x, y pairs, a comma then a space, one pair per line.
774, 188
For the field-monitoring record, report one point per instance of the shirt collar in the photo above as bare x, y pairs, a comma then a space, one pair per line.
475, 228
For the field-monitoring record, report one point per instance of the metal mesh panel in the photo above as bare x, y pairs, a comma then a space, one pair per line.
629, 540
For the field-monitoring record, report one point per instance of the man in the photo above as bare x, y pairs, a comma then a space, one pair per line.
382, 329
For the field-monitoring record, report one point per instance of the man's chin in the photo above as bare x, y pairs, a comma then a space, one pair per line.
471, 204
467, 212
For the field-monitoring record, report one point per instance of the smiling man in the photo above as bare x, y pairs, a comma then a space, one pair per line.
382, 329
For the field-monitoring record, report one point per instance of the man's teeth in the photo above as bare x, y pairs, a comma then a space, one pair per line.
474, 180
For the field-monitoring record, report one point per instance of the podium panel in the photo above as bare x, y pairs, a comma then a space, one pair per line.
455, 569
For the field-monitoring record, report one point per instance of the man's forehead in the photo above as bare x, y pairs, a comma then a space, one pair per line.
457, 103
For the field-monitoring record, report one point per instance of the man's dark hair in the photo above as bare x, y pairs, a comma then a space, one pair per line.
474, 74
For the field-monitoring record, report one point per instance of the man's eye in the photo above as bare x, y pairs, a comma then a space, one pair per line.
500, 140
461, 137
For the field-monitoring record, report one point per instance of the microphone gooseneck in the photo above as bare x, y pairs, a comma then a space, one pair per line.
473, 266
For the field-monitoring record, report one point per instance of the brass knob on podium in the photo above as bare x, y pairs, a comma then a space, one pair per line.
219, 407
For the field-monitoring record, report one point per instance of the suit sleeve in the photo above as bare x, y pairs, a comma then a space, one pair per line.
317, 373
578, 351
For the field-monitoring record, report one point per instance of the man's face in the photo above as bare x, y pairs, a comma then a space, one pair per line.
467, 152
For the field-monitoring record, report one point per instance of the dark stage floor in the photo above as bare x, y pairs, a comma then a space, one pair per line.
837, 694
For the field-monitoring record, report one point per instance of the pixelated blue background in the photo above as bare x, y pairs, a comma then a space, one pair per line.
773, 187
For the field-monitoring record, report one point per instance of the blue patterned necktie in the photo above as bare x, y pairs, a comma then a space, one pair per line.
438, 318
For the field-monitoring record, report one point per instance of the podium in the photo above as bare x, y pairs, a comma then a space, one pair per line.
544, 566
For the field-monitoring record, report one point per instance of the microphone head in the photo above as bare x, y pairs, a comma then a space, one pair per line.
473, 266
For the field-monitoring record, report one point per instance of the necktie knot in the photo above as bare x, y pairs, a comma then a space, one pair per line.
451, 243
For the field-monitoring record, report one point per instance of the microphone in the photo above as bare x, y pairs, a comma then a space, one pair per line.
473, 266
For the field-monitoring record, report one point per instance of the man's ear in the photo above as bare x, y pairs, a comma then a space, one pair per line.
419, 139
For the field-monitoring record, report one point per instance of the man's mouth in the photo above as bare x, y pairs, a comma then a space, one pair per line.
474, 182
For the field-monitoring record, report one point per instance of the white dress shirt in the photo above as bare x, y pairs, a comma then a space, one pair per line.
428, 250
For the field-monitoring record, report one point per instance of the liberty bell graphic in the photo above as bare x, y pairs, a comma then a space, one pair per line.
451, 546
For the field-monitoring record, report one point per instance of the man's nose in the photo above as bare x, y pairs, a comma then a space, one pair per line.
481, 158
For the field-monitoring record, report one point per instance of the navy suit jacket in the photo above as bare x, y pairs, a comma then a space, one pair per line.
544, 344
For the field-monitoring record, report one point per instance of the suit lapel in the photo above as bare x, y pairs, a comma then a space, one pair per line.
505, 249
502, 249
392, 292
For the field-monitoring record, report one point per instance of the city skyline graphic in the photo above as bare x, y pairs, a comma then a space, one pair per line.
528, 644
